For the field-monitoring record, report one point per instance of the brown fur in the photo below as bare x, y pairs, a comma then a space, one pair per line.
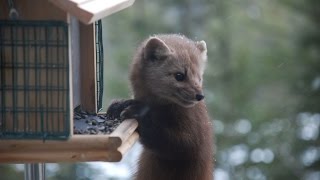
176, 132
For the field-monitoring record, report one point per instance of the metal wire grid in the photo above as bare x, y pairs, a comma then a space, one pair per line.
99, 61
34, 75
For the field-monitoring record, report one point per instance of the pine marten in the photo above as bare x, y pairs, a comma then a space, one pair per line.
174, 126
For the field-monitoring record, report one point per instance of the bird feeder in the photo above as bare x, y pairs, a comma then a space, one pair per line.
51, 63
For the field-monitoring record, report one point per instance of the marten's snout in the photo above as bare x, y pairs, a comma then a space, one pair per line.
199, 97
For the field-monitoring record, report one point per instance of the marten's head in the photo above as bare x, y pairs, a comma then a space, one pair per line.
169, 69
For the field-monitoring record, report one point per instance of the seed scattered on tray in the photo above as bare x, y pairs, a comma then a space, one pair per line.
86, 123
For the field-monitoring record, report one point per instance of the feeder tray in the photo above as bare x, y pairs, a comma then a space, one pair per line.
79, 148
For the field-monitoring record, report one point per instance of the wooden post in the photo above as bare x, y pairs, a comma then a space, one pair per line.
88, 68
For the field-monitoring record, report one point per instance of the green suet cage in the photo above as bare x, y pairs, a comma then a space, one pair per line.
34, 80
99, 61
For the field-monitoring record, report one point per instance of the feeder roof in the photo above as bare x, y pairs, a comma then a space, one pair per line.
89, 11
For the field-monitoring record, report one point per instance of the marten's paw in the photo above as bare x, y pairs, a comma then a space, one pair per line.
117, 107
136, 110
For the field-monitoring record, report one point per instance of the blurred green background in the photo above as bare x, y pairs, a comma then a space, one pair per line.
262, 82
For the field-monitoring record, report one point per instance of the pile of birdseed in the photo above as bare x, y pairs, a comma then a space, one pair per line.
86, 123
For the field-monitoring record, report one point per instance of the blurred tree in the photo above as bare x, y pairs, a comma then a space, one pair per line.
9, 172
73, 171
307, 86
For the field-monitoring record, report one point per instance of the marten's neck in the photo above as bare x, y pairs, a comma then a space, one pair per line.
174, 115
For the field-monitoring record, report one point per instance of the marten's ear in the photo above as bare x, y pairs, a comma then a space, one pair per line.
156, 49
202, 46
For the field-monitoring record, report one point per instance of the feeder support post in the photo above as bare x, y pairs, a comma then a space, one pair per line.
35, 171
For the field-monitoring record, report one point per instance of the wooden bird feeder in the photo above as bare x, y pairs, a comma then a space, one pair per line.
48, 66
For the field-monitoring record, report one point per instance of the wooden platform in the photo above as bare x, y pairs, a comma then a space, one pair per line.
79, 148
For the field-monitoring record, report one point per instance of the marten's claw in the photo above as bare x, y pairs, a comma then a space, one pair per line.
135, 111
124, 109
128, 114
116, 107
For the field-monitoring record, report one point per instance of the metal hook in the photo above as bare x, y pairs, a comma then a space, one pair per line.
13, 14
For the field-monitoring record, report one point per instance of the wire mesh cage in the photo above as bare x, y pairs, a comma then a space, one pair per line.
99, 63
34, 80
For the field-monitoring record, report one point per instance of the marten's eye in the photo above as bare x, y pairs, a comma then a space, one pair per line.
179, 76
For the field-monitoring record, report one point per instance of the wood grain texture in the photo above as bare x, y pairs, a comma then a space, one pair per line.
75, 59
60, 156
125, 146
125, 129
33, 10
76, 142
89, 11
79, 148
88, 68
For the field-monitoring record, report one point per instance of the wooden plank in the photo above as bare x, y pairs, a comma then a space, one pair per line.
125, 129
33, 10
123, 149
74, 35
78, 148
83, 153
78, 2
99, 9
76, 142
71, 59
88, 68
89, 11
60, 156
92, 142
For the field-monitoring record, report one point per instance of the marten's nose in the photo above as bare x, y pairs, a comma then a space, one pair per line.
199, 97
